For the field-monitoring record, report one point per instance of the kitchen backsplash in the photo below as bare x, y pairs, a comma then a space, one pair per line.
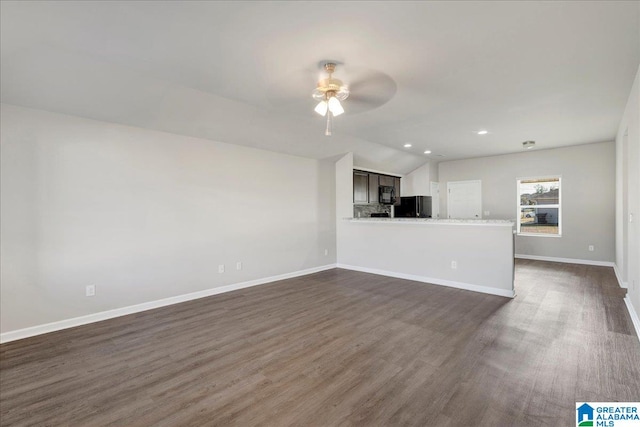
365, 211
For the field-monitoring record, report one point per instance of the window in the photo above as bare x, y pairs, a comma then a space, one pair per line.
539, 209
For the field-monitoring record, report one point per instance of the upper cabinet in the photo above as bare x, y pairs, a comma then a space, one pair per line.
373, 187
366, 187
360, 187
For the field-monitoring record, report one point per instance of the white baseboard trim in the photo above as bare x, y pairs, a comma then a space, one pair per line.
619, 277
567, 260
441, 282
634, 315
110, 314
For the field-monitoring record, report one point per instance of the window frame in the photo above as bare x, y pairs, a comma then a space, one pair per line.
558, 206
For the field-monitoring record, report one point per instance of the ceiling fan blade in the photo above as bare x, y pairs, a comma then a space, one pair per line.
372, 99
375, 84
368, 89
371, 89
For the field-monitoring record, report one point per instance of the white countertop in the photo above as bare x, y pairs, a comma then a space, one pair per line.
432, 221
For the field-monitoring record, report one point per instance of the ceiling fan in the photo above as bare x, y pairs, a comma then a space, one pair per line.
330, 92
366, 90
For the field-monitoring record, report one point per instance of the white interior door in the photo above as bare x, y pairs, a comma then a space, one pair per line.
464, 199
435, 199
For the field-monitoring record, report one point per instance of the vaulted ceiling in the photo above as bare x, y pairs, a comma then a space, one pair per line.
430, 74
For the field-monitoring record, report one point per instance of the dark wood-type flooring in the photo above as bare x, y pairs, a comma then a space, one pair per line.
339, 348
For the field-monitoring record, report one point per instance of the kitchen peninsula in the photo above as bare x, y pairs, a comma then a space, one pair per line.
476, 255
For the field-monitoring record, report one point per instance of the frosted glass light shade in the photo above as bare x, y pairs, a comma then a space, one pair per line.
335, 107
321, 108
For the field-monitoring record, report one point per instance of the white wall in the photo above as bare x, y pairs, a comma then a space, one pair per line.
417, 182
145, 215
628, 195
421, 251
433, 172
344, 187
588, 199
344, 194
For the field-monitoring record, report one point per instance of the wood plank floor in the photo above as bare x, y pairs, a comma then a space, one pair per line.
339, 348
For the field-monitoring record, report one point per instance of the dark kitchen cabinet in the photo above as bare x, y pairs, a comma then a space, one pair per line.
373, 187
366, 187
386, 180
360, 187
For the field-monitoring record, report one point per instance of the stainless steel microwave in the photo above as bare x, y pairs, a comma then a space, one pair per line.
386, 195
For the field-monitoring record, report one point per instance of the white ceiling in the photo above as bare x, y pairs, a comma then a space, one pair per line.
558, 73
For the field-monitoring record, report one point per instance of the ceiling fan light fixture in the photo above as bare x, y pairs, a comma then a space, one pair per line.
322, 108
329, 92
335, 107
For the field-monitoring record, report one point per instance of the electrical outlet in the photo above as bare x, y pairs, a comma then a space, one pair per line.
238, 265
326, 252
221, 268
454, 264
90, 290
591, 248
487, 213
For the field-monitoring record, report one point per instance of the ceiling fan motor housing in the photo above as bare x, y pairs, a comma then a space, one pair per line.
331, 87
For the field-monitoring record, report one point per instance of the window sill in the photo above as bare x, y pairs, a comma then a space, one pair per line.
538, 235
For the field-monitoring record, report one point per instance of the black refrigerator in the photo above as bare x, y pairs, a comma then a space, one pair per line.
414, 207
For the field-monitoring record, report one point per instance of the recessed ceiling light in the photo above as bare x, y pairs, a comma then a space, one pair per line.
528, 144
427, 152
482, 132
407, 145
